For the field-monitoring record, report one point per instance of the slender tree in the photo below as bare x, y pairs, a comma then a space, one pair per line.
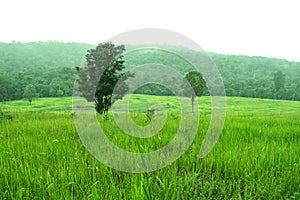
29, 92
98, 79
198, 85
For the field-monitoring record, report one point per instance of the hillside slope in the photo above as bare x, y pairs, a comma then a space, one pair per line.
50, 67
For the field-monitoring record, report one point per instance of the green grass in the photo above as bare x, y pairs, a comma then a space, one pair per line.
256, 157
39, 105
140, 103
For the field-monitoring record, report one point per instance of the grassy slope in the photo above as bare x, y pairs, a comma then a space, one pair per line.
257, 156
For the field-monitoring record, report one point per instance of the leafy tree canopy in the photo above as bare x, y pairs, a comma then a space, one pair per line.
197, 85
29, 92
99, 78
50, 67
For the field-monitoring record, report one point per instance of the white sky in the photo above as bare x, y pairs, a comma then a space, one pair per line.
252, 27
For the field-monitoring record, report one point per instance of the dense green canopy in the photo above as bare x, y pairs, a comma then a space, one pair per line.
50, 67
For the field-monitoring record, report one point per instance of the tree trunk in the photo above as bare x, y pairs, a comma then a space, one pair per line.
193, 99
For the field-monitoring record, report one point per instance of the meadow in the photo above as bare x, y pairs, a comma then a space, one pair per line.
256, 157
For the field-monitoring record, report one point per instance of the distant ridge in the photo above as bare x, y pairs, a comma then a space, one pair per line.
50, 66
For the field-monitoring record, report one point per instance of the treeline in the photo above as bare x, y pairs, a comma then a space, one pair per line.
258, 76
47, 82
245, 76
50, 68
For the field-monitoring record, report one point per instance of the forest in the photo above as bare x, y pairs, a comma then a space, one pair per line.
48, 69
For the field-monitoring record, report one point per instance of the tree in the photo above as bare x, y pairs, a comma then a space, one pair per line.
297, 92
29, 92
60, 93
98, 79
279, 80
198, 85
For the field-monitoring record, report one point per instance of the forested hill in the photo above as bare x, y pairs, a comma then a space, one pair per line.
50, 68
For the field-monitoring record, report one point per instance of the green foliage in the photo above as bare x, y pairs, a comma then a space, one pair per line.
242, 75
99, 78
157, 56
30, 92
254, 76
279, 80
50, 66
60, 93
197, 84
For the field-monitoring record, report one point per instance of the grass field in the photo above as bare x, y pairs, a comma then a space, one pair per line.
256, 157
